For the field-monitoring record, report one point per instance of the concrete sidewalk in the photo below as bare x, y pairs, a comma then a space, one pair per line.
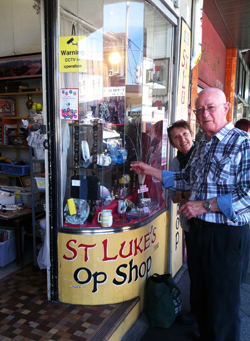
142, 330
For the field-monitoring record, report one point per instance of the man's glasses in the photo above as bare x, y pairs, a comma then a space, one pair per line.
210, 108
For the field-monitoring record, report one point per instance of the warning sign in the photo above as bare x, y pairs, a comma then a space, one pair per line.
72, 50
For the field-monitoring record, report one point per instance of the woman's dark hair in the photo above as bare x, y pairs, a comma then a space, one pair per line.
243, 124
178, 124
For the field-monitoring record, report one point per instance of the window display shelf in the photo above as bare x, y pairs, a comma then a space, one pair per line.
14, 118
20, 93
119, 221
93, 145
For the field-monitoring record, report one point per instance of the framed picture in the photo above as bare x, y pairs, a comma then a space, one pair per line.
26, 181
24, 66
161, 74
7, 106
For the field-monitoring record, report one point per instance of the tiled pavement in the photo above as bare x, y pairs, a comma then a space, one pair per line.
26, 314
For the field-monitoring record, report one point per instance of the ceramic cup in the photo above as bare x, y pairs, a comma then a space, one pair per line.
106, 160
102, 160
105, 218
121, 206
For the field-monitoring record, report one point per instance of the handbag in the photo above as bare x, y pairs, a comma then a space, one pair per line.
163, 300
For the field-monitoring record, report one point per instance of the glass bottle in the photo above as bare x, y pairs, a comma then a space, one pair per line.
116, 190
121, 195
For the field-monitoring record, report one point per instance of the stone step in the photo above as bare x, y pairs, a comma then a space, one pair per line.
114, 328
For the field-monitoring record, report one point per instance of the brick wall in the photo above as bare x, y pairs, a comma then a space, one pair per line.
191, 115
230, 80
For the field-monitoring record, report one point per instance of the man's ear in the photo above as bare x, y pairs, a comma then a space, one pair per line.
227, 107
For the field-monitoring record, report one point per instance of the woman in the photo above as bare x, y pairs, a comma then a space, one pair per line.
180, 137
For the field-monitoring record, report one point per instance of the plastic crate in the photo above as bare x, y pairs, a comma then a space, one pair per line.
8, 250
15, 169
40, 182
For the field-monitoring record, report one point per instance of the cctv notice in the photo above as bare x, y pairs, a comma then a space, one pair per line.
72, 54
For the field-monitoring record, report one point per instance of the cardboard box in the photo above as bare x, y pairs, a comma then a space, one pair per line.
4, 122
39, 153
26, 198
9, 130
38, 167
6, 199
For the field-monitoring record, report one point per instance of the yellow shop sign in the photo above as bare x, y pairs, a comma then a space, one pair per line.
110, 268
72, 54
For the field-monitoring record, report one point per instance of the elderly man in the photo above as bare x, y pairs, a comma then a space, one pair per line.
218, 176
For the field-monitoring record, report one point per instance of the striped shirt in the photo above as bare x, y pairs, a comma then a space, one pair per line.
219, 168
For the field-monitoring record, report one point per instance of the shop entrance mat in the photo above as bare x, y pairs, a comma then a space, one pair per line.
26, 314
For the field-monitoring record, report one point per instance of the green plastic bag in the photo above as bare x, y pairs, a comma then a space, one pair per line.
163, 300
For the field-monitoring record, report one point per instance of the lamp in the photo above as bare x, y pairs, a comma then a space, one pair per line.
114, 58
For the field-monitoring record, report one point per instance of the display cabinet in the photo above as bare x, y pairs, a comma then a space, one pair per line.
114, 109
103, 191
114, 106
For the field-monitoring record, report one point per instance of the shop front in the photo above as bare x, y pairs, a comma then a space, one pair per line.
212, 66
111, 78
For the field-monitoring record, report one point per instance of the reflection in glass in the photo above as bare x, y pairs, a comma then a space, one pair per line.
123, 109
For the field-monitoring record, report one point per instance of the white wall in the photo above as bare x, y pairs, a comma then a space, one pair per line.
185, 10
20, 28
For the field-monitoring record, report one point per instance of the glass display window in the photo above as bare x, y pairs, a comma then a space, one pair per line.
115, 85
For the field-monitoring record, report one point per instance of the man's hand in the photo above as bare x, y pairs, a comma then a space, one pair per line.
140, 167
194, 208
143, 168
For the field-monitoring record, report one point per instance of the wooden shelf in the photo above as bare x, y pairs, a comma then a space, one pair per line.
14, 118
13, 176
13, 146
20, 93
80, 124
17, 119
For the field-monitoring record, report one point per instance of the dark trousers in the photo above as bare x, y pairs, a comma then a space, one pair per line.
187, 246
218, 261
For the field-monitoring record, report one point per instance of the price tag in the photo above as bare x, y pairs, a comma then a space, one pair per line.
76, 183
114, 91
142, 189
71, 205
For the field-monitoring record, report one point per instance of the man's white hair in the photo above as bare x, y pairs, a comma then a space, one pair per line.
222, 94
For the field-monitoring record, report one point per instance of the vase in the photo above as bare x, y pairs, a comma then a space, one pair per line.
29, 103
